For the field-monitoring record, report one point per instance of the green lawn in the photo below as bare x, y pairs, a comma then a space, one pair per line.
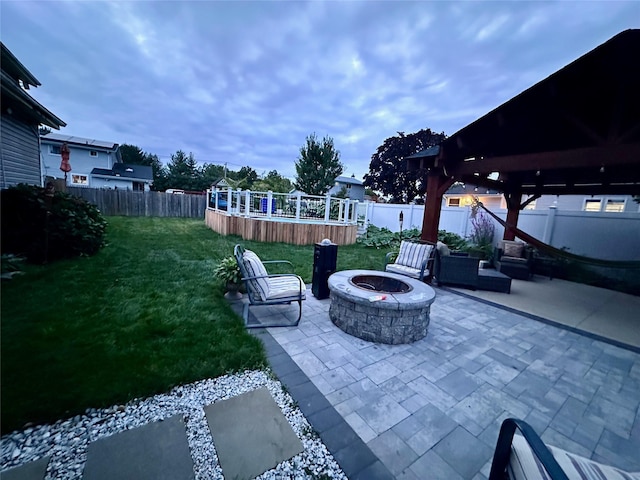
141, 316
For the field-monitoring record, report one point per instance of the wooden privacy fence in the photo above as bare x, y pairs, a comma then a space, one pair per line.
142, 204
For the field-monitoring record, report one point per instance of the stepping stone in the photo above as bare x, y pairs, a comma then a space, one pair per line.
29, 471
155, 451
251, 435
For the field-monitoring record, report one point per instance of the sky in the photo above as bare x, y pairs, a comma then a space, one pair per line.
244, 83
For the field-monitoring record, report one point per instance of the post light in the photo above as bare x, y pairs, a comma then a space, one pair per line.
401, 219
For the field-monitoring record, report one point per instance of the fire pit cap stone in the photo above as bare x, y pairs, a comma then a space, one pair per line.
420, 294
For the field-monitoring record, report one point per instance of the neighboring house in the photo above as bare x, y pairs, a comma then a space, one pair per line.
94, 164
353, 187
460, 195
221, 184
20, 119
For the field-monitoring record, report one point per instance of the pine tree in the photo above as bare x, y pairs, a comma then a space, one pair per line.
318, 166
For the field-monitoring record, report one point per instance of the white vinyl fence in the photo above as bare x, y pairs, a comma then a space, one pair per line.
603, 235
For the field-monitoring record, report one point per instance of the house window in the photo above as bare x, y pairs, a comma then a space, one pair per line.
54, 149
592, 205
614, 205
453, 202
79, 180
138, 186
93, 153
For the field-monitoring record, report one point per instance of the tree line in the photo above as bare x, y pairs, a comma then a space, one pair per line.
317, 167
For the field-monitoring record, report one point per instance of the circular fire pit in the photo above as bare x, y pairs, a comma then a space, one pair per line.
379, 306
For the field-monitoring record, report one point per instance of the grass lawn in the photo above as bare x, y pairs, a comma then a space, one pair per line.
141, 316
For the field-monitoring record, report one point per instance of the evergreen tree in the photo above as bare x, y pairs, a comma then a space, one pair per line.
182, 171
318, 166
133, 155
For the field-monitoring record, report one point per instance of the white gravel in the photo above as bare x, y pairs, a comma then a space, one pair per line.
66, 441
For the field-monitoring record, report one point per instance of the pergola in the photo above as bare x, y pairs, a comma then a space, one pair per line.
575, 132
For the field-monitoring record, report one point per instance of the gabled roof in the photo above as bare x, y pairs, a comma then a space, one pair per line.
16, 70
14, 79
141, 173
79, 141
575, 132
350, 180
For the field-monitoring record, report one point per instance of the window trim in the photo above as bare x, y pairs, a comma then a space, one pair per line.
93, 153
604, 201
58, 147
615, 199
77, 175
454, 199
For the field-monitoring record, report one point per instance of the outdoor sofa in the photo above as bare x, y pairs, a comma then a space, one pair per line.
514, 259
455, 268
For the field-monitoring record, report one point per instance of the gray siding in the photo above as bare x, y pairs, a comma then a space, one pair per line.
19, 153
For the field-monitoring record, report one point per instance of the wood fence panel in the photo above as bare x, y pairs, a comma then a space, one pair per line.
142, 204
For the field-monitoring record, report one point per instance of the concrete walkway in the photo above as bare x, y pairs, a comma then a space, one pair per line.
599, 311
433, 409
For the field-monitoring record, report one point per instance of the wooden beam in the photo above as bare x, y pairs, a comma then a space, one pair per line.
577, 158
437, 184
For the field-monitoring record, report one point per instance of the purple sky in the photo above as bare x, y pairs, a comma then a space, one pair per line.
246, 82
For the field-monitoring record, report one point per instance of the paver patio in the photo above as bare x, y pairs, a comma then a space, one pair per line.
434, 407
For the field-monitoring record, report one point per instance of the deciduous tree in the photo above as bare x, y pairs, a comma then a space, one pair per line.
387, 170
318, 166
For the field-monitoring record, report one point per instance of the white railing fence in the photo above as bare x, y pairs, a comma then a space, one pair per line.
272, 205
604, 235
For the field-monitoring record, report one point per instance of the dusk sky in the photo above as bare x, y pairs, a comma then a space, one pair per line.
246, 82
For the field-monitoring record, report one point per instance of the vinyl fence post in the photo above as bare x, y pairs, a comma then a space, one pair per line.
327, 209
549, 225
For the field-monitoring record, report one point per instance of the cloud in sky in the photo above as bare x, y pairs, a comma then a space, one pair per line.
246, 82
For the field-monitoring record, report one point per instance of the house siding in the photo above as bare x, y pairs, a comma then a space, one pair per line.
20, 153
80, 159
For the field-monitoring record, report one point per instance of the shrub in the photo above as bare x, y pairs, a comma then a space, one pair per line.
49, 227
481, 237
385, 238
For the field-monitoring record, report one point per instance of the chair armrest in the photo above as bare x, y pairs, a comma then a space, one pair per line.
540, 450
390, 258
275, 262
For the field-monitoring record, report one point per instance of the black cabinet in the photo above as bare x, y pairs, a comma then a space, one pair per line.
325, 257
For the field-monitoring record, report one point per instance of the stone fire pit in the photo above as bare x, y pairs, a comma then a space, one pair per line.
379, 306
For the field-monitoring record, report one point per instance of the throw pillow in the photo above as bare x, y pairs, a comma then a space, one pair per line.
413, 254
443, 249
513, 249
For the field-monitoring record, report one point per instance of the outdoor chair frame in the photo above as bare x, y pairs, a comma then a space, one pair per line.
255, 298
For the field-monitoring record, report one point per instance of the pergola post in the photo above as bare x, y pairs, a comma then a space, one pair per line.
437, 185
513, 212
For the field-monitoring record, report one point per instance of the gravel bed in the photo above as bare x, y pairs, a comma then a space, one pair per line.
66, 441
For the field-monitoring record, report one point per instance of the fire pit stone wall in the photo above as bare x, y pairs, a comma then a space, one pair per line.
401, 317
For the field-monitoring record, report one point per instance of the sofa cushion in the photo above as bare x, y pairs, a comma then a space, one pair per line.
507, 259
404, 270
286, 286
413, 254
513, 249
524, 465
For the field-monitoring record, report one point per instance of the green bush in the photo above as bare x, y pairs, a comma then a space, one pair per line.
49, 227
385, 238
